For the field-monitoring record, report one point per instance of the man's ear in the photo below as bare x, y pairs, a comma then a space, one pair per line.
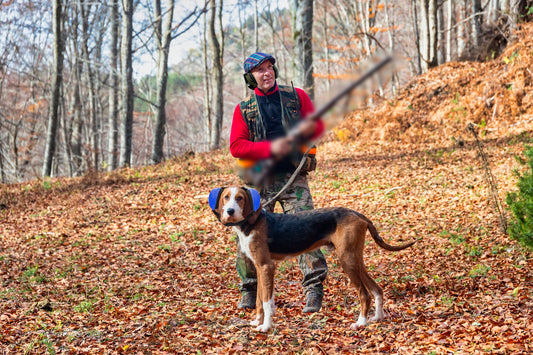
214, 197
255, 198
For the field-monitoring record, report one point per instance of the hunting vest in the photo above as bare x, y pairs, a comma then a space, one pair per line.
290, 112
290, 116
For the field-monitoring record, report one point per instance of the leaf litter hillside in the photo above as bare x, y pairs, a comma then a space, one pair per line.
135, 262
435, 107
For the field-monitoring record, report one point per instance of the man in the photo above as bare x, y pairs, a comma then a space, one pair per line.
259, 131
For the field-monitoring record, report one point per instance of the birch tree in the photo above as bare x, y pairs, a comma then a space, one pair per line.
112, 138
428, 33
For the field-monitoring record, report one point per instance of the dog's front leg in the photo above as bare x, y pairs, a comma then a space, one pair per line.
265, 292
259, 312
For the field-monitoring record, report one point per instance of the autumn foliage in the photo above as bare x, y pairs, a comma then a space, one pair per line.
135, 262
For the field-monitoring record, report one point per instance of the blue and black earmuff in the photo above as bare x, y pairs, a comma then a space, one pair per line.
214, 197
254, 197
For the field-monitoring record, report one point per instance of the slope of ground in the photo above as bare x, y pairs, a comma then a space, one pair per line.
435, 108
135, 262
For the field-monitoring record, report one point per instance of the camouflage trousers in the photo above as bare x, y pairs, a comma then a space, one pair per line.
312, 265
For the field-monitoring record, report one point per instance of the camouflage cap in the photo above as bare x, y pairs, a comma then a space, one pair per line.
256, 60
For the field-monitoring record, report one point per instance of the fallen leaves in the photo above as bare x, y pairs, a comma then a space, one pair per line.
135, 261
144, 266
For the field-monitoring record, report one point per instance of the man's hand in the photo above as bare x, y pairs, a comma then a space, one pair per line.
280, 147
306, 128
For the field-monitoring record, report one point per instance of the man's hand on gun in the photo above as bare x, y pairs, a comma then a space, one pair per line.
281, 147
306, 129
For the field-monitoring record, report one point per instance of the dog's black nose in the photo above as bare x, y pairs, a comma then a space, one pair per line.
230, 211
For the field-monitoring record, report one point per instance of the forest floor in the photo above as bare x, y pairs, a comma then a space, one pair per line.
135, 262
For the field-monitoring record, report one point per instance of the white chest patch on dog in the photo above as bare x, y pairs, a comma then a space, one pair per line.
244, 242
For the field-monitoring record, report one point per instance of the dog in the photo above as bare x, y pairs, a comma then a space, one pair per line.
265, 237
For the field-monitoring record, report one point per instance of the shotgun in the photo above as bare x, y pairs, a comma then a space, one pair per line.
255, 172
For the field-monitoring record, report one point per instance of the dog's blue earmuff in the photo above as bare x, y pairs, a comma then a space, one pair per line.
214, 196
256, 198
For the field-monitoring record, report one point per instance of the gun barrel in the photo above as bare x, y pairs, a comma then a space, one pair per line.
325, 108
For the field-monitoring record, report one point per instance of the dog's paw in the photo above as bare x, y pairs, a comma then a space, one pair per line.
355, 326
258, 320
361, 322
377, 318
263, 328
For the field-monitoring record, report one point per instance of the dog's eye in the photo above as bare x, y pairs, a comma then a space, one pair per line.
238, 198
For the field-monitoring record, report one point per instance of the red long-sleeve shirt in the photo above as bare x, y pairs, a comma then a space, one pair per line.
240, 144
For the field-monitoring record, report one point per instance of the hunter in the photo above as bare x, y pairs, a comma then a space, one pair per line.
259, 131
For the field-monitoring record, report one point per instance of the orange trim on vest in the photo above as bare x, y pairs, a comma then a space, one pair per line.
312, 151
246, 163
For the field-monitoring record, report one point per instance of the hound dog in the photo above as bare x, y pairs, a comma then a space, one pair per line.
265, 237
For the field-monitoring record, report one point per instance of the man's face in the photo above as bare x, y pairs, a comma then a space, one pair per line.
265, 76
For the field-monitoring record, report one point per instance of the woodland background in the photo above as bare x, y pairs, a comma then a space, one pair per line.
134, 261
70, 102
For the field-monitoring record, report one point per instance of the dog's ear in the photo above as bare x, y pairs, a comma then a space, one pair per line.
214, 197
255, 199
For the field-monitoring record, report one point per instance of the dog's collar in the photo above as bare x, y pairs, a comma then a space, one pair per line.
247, 227
241, 223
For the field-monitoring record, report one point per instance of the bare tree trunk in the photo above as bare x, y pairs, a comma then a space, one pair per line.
163, 38
207, 86
112, 139
256, 26
126, 127
66, 134
476, 22
515, 10
433, 33
98, 79
390, 25
326, 46
441, 35
303, 44
461, 30
3, 179
216, 51
363, 9
428, 42
492, 10
418, 37
2, 174
53, 120
75, 141
449, 30
85, 9
424, 35
243, 43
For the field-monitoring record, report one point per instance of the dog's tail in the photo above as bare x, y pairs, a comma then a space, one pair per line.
375, 235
